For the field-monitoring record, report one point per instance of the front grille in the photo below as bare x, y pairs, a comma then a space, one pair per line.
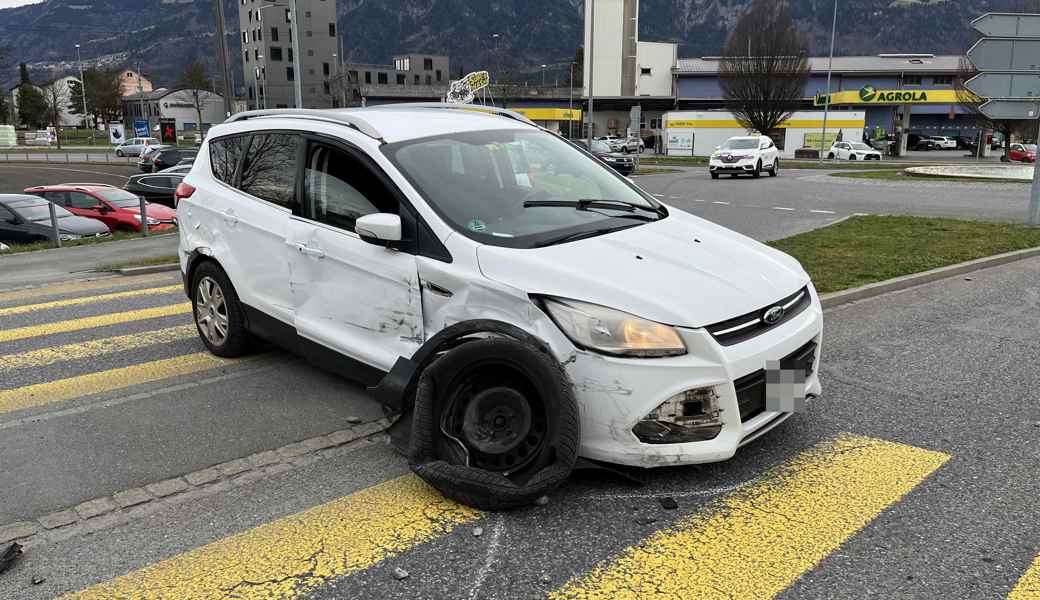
751, 389
730, 159
738, 329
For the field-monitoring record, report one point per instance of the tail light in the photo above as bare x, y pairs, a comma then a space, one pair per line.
183, 190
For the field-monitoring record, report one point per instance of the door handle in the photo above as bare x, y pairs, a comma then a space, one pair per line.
307, 250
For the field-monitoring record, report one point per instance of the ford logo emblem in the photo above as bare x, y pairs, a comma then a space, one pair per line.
773, 315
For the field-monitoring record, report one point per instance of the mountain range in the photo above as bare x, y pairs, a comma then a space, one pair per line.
164, 35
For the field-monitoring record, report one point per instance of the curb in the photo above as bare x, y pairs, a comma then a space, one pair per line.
149, 269
100, 513
871, 290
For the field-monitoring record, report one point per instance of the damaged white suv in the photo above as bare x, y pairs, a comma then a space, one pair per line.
511, 301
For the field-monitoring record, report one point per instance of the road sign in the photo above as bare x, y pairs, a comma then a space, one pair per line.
999, 110
991, 54
1008, 25
1005, 85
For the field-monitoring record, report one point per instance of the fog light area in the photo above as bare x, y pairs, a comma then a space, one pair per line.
691, 416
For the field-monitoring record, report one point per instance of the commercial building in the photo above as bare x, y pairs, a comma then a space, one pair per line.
267, 53
412, 77
697, 133
176, 104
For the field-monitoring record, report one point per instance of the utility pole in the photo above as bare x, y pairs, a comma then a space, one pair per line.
225, 69
1034, 193
570, 105
591, 63
83, 92
298, 78
827, 99
140, 99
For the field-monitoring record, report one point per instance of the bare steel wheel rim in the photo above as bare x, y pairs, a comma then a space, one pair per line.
211, 311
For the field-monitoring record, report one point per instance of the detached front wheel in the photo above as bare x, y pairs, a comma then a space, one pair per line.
495, 424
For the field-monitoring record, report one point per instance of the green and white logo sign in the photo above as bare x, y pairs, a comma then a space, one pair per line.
867, 93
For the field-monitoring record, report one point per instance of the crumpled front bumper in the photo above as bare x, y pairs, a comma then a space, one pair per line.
614, 394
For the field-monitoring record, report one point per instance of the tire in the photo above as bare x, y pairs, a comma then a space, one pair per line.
450, 448
758, 170
714, 175
208, 280
852, 157
120, 154
830, 156
773, 172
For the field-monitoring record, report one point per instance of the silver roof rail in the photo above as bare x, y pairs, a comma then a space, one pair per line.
470, 107
86, 184
330, 116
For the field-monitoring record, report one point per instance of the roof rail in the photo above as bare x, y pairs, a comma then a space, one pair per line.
84, 184
470, 107
331, 116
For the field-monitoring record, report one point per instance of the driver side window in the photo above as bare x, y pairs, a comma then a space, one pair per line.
81, 200
339, 188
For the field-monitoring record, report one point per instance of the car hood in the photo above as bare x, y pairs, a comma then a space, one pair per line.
681, 270
76, 225
156, 211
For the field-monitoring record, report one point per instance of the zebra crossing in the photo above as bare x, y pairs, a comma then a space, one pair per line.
73, 344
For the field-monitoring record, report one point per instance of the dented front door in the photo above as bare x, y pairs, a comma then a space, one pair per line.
357, 298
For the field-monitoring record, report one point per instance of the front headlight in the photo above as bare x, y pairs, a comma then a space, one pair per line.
151, 221
610, 331
65, 237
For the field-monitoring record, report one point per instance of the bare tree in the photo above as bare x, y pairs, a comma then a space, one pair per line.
972, 105
195, 83
56, 99
765, 67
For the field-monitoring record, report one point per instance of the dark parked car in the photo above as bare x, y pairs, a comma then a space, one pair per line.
927, 143
25, 219
171, 157
158, 187
622, 163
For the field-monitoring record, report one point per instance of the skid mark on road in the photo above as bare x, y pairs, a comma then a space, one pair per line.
25, 308
19, 333
760, 540
94, 348
291, 556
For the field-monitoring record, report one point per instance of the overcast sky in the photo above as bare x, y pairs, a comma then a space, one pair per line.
11, 3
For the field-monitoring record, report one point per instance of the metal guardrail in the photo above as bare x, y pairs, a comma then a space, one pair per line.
66, 157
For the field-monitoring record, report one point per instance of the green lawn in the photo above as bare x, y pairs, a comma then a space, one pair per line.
144, 262
891, 175
655, 171
868, 249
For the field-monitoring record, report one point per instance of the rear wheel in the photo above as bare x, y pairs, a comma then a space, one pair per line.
120, 154
831, 156
775, 170
218, 313
852, 157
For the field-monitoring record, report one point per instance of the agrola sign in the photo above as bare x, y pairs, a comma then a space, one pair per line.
868, 94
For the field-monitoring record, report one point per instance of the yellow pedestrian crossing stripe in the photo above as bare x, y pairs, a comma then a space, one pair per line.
106, 381
81, 286
94, 348
25, 308
291, 556
1028, 587
761, 540
31, 331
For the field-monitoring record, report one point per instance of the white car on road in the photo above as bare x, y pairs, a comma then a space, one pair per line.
745, 154
135, 146
946, 143
853, 151
511, 300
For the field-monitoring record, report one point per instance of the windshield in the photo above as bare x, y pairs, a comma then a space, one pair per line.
1030, 147
740, 144
519, 189
37, 210
120, 198
860, 146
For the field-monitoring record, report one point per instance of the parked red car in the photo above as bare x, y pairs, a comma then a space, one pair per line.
1023, 153
118, 209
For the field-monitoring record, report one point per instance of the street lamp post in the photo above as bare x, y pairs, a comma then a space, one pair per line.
543, 74
827, 99
591, 63
570, 104
83, 91
498, 64
295, 34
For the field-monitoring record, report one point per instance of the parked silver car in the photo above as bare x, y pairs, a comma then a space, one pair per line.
134, 146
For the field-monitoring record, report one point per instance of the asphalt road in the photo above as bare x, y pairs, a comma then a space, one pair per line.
914, 476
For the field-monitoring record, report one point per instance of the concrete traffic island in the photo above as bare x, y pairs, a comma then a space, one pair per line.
1023, 173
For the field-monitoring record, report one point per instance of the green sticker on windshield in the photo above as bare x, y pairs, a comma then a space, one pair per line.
476, 225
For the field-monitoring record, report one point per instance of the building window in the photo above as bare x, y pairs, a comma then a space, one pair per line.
439, 77
427, 64
245, 38
259, 15
429, 80
256, 54
400, 79
290, 74
943, 80
310, 53
245, 54
276, 53
288, 17
325, 69
403, 64
310, 71
290, 53
382, 78
259, 34
332, 30
274, 34
252, 34
250, 92
911, 80
325, 86
416, 80
352, 76
646, 71
250, 16
310, 33
368, 76
307, 14
290, 36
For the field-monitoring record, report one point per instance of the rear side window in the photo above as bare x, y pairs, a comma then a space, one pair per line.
224, 155
269, 168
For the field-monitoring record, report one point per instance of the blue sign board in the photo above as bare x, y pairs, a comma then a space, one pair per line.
140, 128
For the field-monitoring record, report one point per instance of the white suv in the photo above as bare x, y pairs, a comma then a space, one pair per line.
513, 300
745, 154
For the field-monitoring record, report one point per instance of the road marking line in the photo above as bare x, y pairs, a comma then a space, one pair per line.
80, 286
761, 539
17, 310
823, 212
92, 348
294, 555
720, 202
698, 200
18, 333
1028, 587
781, 208
106, 381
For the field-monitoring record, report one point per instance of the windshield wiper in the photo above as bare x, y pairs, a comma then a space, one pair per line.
580, 235
587, 203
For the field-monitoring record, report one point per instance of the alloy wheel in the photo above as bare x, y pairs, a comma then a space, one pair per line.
211, 312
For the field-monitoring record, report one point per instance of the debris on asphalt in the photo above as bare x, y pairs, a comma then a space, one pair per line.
8, 556
353, 420
967, 279
546, 579
646, 520
668, 503
478, 531
541, 501
400, 573
38, 580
